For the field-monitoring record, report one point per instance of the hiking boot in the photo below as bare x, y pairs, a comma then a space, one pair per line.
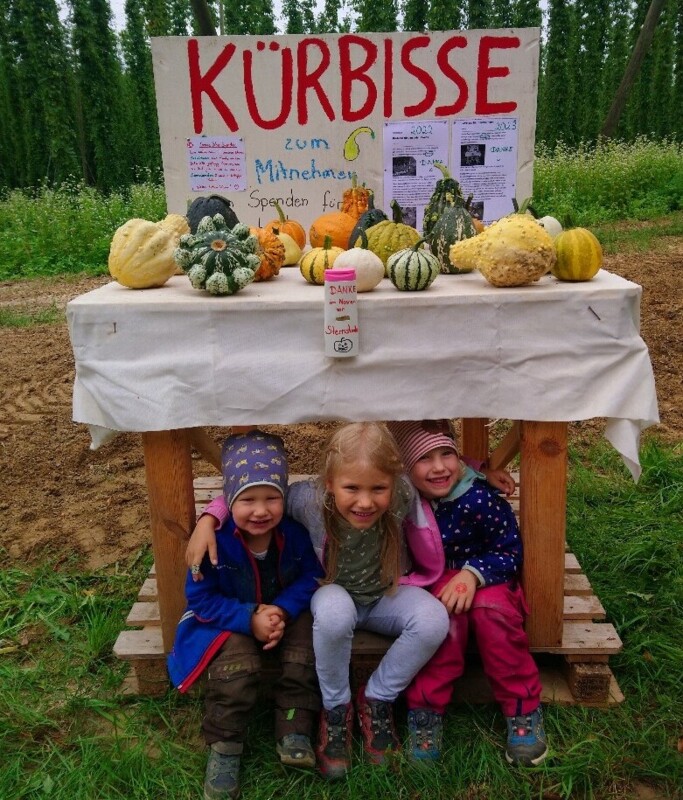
222, 780
376, 718
334, 741
426, 734
295, 750
526, 743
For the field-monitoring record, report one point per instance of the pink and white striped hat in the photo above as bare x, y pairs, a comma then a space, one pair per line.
414, 439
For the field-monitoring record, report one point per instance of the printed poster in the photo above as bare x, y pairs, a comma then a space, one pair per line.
484, 160
410, 150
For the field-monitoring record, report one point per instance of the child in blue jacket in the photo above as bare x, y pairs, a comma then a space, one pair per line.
255, 599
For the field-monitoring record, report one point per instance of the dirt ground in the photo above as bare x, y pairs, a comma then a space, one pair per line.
60, 500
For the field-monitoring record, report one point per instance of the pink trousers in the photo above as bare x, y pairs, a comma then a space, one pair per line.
496, 620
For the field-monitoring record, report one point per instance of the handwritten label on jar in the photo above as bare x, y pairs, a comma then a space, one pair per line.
341, 313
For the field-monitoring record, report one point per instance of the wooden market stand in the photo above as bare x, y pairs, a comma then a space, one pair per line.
106, 326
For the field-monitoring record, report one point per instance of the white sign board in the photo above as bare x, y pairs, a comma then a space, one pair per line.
292, 118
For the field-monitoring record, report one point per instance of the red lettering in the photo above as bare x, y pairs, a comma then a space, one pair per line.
388, 78
311, 81
454, 75
350, 74
485, 72
203, 84
286, 82
424, 77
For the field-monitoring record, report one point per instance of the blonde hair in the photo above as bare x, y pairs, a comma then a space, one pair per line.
367, 443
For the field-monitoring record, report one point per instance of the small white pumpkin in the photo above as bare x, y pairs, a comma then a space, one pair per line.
368, 265
553, 226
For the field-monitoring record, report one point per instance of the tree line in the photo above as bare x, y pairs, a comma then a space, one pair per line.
77, 97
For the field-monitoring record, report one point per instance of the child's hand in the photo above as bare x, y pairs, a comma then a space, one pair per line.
500, 479
458, 593
271, 624
203, 538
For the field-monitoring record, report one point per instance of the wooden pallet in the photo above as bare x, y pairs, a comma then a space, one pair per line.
574, 672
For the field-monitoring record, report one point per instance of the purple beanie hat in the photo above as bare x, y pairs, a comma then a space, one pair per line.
253, 459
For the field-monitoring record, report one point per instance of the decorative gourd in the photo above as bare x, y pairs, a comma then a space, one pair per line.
208, 207
368, 265
271, 251
552, 225
218, 259
369, 218
335, 224
579, 255
390, 236
454, 225
292, 250
289, 226
177, 225
355, 201
446, 192
514, 251
141, 254
314, 263
413, 269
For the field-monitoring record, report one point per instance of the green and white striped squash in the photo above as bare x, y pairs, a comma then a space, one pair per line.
413, 269
454, 225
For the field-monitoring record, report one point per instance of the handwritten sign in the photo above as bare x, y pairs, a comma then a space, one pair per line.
312, 110
216, 163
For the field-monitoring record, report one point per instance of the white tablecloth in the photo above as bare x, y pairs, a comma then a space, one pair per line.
174, 357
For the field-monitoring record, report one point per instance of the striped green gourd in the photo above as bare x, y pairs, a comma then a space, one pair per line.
413, 269
454, 225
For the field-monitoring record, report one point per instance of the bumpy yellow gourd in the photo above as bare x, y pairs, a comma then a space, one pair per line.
141, 254
514, 251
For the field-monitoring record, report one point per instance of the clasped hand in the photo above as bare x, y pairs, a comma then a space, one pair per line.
268, 625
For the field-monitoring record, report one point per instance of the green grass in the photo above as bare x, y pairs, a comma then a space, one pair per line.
68, 229
10, 318
588, 186
66, 734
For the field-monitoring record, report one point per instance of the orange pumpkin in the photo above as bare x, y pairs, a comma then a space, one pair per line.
289, 226
336, 224
271, 252
355, 200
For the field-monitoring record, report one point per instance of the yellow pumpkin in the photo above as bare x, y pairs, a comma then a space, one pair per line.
271, 251
292, 250
141, 254
314, 263
336, 224
178, 226
389, 236
579, 255
289, 226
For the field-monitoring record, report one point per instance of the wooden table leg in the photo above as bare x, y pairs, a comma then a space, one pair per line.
168, 467
475, 438
542, 511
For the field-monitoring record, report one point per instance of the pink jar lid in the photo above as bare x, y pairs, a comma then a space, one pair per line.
340, 274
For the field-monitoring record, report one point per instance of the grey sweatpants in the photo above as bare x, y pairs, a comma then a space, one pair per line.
418, 619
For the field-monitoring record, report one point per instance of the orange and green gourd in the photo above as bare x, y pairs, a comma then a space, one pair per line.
579, 255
